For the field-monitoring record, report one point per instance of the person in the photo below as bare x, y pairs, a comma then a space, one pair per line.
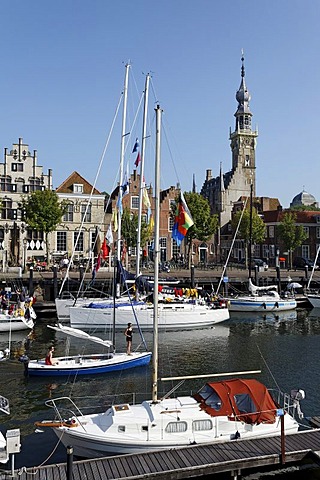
128, 333
21, 300
49, 358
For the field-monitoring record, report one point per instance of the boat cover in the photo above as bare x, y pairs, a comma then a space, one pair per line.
240, 399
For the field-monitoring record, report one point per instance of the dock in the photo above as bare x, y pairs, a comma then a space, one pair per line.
233, 457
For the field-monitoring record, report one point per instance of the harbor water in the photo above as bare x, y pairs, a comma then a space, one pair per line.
284, 347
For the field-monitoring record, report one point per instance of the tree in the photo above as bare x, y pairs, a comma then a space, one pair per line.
258, 228
129, 229
43, 212
291, 234
205, 224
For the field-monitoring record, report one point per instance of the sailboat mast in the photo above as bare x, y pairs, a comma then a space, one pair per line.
143, 145
156, 258
122, 151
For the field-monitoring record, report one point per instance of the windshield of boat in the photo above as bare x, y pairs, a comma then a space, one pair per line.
210, 397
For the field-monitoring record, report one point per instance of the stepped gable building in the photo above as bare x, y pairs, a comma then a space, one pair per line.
226, 189
83, 221
19, 175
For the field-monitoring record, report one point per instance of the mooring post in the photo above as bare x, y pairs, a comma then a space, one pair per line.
30, 288
192, 276
283, 441
55, 281
69, 462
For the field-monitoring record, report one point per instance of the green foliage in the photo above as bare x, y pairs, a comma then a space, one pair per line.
306, 208
129, 229
258, 226
205, 224
42, 210
291, 234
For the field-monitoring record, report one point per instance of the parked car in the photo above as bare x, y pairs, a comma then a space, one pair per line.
256, 262
302, 262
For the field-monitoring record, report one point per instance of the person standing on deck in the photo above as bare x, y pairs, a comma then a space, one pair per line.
128, 333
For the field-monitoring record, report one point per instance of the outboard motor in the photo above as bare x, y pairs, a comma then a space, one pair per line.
297, 396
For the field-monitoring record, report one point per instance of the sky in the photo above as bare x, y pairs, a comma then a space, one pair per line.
62, 76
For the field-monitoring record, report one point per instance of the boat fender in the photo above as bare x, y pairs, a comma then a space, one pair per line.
264, 305
276, 305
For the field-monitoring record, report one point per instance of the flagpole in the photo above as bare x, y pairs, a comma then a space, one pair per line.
143, 145
122, 150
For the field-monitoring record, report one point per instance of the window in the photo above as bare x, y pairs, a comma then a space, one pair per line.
61, 241
271, 231
134, 203
175, 249
78, 241
86, 212
306, 231
318, 232
245, 403
176, 427
247, 161
5, 184
35, 185
77, 188
201, 425
17, 167
68, 216
305, 250
171, 223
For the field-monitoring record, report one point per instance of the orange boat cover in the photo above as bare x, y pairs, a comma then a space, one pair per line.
246, 400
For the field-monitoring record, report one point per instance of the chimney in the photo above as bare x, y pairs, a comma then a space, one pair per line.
208, 175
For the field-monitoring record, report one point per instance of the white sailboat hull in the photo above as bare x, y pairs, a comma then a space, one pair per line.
12, 323
263, 303
149, 427
172, 316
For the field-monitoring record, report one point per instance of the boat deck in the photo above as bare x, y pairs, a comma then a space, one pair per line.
186, 462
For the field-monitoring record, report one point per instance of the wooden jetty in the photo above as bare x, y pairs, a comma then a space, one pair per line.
234, 457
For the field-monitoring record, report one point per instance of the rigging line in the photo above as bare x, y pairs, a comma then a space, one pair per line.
231, 247
170, 153
269, 370
92, 190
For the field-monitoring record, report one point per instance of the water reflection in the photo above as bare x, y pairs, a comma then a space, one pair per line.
284, 347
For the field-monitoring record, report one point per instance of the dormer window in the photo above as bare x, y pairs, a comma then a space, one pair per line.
318, 218
77, 188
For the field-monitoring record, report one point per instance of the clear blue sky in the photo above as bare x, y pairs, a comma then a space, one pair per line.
62, 72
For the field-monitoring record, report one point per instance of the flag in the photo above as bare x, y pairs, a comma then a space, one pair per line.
136, 146
125, 185
114, 219
138, 160
109, 235
183, 221
105, 249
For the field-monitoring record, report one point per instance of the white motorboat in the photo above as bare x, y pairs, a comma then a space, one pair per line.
220, 411
261, 299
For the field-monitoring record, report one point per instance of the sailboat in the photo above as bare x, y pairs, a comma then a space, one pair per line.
86, 364
219, 412
261, 299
